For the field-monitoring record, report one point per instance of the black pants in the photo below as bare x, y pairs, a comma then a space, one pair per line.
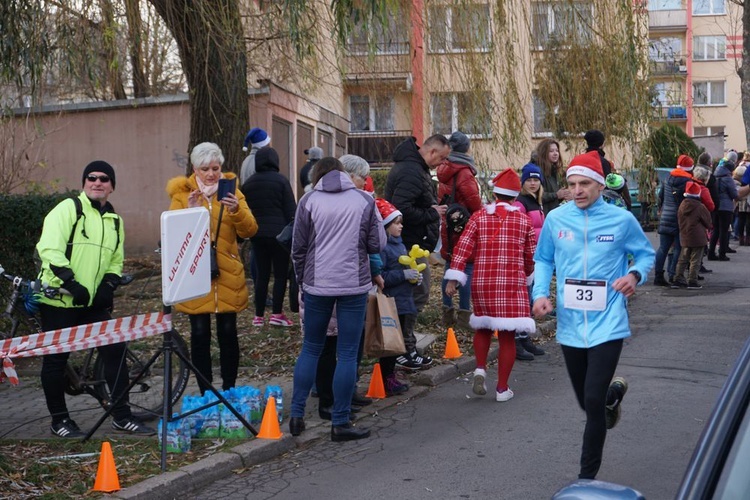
229, 347
53, 365
591, 370
722, 220
327, 367
270, 255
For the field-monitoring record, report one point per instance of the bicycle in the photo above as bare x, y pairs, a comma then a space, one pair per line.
84, 372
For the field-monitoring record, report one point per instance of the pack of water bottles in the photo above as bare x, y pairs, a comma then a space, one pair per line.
219, 421
178, 435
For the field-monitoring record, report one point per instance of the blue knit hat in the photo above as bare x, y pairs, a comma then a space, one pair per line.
531, 171
257, 137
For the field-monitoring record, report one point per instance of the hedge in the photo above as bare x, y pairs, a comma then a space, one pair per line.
23, 217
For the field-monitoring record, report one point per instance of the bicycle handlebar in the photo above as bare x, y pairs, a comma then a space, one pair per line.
36, 286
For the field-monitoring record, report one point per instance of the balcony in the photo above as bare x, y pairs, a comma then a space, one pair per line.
667, 20
674, 112
678, 66
376, 146
387, 63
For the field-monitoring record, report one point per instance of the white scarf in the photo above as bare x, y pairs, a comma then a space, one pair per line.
208, 191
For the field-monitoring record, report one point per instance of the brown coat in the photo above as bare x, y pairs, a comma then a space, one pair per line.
229, 290
694, 220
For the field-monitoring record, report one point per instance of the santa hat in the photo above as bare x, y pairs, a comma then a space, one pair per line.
257, 137
507, 183
588, 165
685, 163
387, 211
369, 185
692, 190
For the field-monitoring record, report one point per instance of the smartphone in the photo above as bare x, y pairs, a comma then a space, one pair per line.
226, 186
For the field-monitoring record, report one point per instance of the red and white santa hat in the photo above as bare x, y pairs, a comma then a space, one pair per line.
588, 165
685, 163
387, 211
507, 183
692, 190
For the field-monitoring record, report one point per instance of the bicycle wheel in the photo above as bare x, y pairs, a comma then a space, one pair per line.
21, 323
147, 395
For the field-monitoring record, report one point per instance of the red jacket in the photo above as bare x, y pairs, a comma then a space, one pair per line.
467, 193
706, 196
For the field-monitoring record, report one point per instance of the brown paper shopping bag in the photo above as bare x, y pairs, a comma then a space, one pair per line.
383, 335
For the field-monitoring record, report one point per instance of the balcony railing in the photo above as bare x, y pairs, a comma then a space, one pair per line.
376, 146
667, 19
673, 67
670, 112
391, 63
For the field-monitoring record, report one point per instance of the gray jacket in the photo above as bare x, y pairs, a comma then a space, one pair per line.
335, 228
727, 189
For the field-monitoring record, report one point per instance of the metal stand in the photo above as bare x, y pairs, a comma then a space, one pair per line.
168, 348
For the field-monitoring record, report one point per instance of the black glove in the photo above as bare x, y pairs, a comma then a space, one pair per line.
79, 292
105, 294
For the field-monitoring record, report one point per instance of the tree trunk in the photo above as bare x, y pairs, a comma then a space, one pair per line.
744, 70
210, 38
112, 67
133, 15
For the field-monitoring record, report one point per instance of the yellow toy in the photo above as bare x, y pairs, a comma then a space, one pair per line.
411, 259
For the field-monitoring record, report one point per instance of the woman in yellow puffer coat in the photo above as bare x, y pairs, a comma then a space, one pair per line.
228, 294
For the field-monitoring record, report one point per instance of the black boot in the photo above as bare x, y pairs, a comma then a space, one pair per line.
348, 432
529, 346
521, 353
296, 425
659, 279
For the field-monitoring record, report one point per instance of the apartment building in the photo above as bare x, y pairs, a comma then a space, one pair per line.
695, 50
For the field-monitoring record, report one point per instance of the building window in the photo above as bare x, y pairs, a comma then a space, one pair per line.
371, 112
665, 5
459, 29
560, 23
708, 7
705, 131
391, 38
464, 111
665, 49
709, 93
709, 48
540, 116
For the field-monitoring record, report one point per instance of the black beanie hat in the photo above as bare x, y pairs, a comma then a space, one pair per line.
99, 166
594, 139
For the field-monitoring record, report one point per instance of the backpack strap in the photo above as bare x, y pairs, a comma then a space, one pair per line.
79, 213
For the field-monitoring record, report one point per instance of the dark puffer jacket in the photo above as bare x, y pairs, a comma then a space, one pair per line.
269, 194
410, 188
670, 198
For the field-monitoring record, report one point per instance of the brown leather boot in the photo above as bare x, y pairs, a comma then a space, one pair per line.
462, 319
449, 317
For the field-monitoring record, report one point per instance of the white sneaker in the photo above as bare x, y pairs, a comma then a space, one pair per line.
479, 387
506, 395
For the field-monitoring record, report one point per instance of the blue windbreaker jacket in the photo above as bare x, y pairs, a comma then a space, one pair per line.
594, 243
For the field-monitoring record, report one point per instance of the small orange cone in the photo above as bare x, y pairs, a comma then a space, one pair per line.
269, 426
376, 389
495, 334
451, 346
106, 477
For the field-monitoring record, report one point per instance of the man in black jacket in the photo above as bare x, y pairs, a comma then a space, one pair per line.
409, 187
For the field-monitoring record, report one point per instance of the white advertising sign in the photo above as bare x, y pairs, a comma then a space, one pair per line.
185, 255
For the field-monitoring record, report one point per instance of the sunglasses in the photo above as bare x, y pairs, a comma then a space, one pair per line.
102, 178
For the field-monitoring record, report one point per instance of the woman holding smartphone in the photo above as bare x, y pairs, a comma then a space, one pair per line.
230, 218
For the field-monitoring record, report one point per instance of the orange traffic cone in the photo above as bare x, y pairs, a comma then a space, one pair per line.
376, 389
495, 334
451, 346
269, 426
106, 477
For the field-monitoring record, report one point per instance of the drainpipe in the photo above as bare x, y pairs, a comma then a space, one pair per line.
689, 63
417, 70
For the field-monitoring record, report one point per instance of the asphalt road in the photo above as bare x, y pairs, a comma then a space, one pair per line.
452, 444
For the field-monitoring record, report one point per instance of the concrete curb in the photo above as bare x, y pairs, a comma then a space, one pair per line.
203, 472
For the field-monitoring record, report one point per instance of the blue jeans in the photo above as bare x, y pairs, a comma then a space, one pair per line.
666, 241
350, 315
464, 291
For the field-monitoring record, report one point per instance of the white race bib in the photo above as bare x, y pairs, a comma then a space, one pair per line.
585, 295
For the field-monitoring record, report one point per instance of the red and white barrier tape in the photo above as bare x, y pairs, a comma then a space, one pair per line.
80, 337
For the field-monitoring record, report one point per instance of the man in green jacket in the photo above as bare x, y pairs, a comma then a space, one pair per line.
81, 249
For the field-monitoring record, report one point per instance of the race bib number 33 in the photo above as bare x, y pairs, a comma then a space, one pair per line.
585, 295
